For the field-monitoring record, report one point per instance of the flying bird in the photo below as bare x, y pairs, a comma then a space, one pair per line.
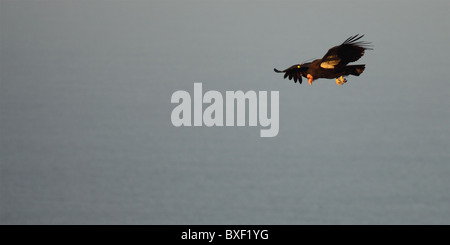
333, 65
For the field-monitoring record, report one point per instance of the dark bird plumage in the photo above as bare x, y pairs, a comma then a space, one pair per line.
334, 63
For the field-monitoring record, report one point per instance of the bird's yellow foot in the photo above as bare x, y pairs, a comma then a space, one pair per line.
340, 80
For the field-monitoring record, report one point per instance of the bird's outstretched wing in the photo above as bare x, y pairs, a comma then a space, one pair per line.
349, 51
295, 72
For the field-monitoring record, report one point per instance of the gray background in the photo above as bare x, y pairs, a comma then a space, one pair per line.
86, 136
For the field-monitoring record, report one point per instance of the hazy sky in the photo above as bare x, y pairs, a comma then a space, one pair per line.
86, 134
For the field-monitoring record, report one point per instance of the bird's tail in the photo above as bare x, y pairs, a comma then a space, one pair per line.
355, 70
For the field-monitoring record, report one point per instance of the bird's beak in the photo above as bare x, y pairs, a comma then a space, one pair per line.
310, 78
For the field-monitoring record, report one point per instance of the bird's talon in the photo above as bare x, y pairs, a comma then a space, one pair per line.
340, 80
